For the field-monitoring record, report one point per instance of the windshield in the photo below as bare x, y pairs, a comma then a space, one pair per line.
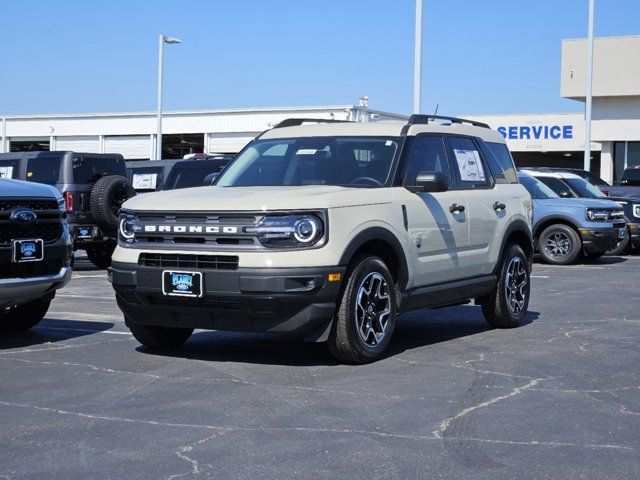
584, 188
536, 188
342, 161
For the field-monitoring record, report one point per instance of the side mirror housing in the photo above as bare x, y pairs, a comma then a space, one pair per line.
209, 179
431, 182
565, 194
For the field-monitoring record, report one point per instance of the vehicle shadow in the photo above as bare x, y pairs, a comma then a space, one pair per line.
82, 264
606, 260
52, 330
413, 330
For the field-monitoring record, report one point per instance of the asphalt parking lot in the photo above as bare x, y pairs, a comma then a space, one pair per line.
557, 398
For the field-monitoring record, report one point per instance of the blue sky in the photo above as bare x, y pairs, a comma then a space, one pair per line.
489, 56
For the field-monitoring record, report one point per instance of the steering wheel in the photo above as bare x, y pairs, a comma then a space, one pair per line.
358, 180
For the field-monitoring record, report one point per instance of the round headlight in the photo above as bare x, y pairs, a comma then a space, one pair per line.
127, 228
306, 229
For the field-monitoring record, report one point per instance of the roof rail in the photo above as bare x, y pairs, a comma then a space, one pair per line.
294, 122
416, 119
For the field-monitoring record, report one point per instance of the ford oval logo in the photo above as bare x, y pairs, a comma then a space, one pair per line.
23, 216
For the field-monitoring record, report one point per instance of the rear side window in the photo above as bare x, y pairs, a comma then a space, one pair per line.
558, 186
468, 163
427, 155
44, 170
502, 155
9, 168
89, 169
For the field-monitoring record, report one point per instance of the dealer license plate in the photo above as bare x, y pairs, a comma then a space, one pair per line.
28, 250
182, 284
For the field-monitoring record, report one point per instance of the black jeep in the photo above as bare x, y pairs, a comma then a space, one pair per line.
94, 187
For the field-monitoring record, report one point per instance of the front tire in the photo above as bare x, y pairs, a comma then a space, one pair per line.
559, 245
621, 246
100, 255
19, 318
160, 338
507, 306
366, 315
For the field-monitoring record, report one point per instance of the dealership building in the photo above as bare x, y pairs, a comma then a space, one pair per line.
534, 139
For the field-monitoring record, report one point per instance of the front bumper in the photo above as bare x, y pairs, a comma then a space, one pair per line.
601, 239
298, 302
17, 291
634, 234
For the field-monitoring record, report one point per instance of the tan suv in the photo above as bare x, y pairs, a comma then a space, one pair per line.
326, 231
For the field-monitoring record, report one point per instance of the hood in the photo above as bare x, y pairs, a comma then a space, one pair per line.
19, 188
578, 203
258, 198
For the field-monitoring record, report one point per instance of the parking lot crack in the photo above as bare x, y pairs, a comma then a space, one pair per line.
446, 423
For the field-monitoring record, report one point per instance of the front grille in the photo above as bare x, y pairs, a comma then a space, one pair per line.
47, 227
31, 269
35, 205
49, 232
193, 230
204, 262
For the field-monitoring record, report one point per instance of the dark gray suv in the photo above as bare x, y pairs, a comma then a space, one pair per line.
93, 186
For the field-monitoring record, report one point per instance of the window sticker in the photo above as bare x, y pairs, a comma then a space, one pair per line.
144, 181
470, 165
306, 151
6, 172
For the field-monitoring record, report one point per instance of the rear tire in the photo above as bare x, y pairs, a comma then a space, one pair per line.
507, 306
366, 315
100, 254
160, 338
19, 318
559, 245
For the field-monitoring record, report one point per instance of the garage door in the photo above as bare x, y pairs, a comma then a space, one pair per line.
132, 147
78, 144
229, 142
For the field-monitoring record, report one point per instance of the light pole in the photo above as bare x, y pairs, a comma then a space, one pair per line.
588, 100
163, 39
417, 61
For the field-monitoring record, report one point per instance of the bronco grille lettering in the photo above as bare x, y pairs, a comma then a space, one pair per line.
189, 229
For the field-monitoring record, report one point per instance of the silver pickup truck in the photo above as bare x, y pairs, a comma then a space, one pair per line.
35, 252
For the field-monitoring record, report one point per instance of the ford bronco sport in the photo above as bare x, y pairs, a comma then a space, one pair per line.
93, 185
35, 252
327, 232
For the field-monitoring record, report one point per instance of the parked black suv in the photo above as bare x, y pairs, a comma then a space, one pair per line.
195, 173
35, 252
93, 185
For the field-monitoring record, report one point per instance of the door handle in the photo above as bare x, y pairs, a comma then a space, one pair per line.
497, 206
455, 208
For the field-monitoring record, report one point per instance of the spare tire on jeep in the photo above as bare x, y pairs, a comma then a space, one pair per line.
107, 196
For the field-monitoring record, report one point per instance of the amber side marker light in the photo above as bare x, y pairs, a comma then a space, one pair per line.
584, 232
334, 277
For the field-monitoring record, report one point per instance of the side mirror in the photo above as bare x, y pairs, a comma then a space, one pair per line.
209, 179
431, 182
565, 194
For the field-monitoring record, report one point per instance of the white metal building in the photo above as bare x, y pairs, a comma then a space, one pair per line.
134, 136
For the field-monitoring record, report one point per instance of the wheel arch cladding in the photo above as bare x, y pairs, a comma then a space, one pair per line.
518, 233
382, 243
556, 219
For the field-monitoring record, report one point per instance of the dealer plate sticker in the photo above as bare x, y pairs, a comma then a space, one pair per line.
182, 284
28, 250
84, 232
